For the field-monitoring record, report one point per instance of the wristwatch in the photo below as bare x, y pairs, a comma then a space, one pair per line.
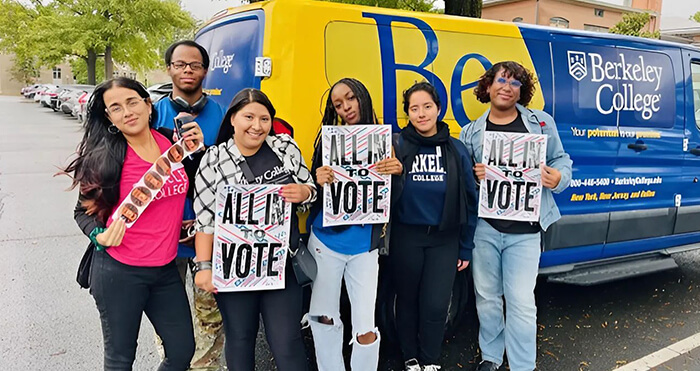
201, 266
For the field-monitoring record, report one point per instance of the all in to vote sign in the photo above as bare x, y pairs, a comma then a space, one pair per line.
251, 238
359, 194
512, 188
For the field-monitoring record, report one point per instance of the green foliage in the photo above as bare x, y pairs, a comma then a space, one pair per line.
415, 5
695, 17
52, 31
79, 69
633, 24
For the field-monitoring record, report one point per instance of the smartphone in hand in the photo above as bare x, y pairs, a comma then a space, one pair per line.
181, 120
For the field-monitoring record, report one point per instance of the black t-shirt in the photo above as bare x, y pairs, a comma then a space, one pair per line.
511, 226
268, 169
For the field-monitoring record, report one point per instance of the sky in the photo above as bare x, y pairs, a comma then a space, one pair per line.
204, 9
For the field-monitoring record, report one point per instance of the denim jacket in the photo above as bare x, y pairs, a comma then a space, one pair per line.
536, 122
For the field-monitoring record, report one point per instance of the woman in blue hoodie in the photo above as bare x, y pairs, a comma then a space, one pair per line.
345, 252
432, 226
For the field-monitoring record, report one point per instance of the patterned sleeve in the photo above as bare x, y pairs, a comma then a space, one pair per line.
205, 191
302, 171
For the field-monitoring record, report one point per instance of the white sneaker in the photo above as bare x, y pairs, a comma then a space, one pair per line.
412, 365
431, 368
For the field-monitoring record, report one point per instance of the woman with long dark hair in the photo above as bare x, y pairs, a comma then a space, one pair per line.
432, 226
247, 144
133, 270
349, 252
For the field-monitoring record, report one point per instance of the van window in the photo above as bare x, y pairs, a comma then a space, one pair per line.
695, 71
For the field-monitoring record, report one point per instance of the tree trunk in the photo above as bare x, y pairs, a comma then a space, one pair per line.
91, 67
465, 8
109, 66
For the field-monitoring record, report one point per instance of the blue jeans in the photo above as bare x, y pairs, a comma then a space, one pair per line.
506, 265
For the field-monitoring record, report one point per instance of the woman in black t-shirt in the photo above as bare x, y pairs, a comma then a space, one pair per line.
249, 152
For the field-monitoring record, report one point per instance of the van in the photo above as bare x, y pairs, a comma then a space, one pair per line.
627, 110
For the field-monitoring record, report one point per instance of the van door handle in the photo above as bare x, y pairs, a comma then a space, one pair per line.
695, 151
637, 146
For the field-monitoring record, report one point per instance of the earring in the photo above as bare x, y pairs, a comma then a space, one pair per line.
112, 129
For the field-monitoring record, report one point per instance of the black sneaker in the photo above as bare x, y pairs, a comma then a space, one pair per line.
487, 366
412, 365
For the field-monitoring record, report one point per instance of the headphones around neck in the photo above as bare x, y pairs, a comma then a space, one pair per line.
181, 105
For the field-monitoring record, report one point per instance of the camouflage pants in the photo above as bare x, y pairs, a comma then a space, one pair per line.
208, 328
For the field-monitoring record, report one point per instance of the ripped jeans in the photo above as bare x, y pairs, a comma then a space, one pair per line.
361, 275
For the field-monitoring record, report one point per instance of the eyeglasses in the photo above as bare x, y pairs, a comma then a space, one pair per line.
116, 112
195, 66
515, 84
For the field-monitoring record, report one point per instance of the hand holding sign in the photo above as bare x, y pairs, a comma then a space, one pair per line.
113, 235
512, 173
324, 175
295, 193
480, 171
359, 184
389, 166
550, 177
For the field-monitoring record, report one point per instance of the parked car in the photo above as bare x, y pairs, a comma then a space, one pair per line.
37, 94
71, 103
45, 96
25, 91
158, 91
58, 98
81, 113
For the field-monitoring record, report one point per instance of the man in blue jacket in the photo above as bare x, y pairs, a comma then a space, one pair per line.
506, 253
187, 64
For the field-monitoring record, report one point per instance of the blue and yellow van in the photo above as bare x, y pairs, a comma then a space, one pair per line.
627, 109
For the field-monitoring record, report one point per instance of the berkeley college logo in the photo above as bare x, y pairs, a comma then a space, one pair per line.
577, 65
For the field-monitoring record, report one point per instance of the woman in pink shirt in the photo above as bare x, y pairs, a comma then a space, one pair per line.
133, 270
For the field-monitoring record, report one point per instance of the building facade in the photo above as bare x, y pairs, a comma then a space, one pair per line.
62, 74
590, 15
680, 30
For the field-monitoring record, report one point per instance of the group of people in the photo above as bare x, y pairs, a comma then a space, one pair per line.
434, 230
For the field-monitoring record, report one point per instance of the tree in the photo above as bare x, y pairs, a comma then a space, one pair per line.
633, 24
695, 17
79, 69
415, 5
465, 8
133, 33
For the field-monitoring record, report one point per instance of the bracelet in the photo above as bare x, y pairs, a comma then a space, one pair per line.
201, 266
312, 192
93, 238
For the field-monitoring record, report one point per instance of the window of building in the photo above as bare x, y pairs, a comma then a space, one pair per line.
695, 72
599, 12
56, 73
559, 22
590, 27
518, 19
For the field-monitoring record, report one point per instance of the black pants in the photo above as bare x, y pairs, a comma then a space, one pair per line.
424, 264
281, 312
123, 293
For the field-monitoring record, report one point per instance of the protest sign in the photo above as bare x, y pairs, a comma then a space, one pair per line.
251, 238
167, 170
512, 188
359, 194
